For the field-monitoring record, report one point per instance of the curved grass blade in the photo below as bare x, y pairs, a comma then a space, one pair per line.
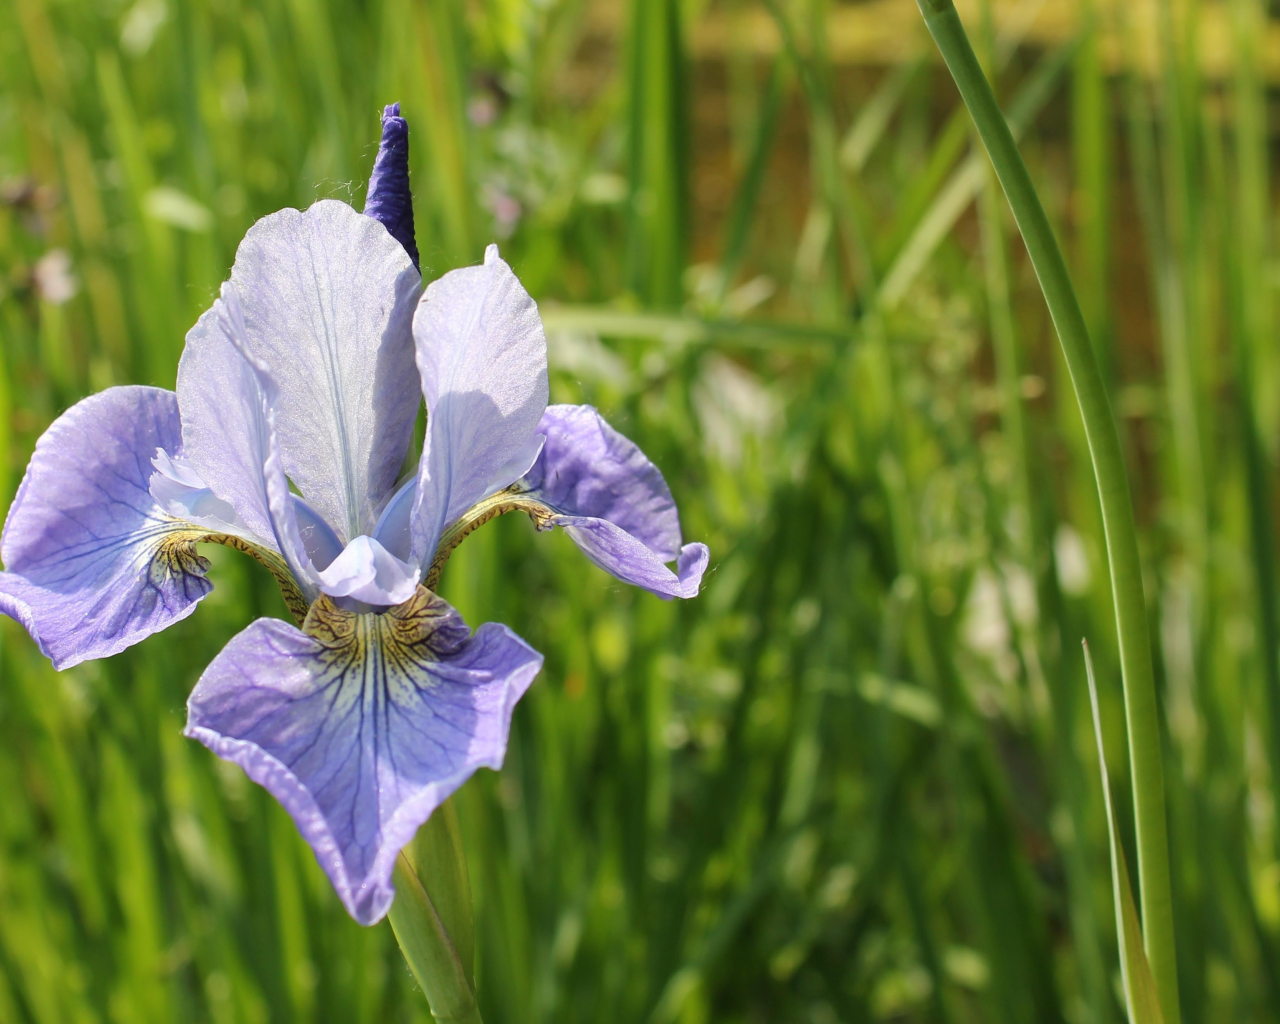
1125, 567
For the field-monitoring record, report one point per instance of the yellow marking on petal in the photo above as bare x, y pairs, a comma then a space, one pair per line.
403, 635
176, 553
510, 500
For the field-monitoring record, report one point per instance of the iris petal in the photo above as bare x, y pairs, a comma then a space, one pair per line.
622, 555
178, 490
230, 414
518, 466
589, 469
93, 565
367, 572
328, 299
363, 725
222, 420
612, 501
482, 356
319, 540
392, 530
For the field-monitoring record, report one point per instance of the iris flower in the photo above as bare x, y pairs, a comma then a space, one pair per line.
296, 398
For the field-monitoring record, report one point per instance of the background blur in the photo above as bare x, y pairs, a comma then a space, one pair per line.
855, 779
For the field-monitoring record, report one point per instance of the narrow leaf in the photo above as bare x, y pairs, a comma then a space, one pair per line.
1139, 987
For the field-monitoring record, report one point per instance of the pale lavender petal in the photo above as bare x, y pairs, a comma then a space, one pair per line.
93, 565
319, 540
366, 571
622, 555
389, 199
328, 300
221, 405
178, 490
230, 406
364, 729
613, 502
518, 466
392, 530
482, 356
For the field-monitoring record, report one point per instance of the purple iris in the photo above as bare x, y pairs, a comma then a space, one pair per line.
296, 398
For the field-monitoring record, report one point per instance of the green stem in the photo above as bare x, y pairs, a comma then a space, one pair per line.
431, 918
1113, 492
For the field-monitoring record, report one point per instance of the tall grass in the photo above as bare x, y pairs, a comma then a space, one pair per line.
856, 778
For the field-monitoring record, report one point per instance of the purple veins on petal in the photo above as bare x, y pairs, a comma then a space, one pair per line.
363, 725
614, 503
93, 565
389, 199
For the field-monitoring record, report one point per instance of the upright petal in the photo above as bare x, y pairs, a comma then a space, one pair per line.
482, 355
393, 529
93, 565
363, 725
230, 409
613, 502
328, 300
389, 199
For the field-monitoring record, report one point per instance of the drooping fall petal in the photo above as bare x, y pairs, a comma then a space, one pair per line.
92, 564
613, 502
363, 724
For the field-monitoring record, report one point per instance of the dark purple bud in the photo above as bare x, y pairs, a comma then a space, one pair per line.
389, 199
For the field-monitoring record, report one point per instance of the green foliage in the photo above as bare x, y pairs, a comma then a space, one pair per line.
855, 779
1141, 998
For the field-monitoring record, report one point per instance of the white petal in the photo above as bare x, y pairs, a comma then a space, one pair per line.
230, 404
328, 298
368, 572
482, 355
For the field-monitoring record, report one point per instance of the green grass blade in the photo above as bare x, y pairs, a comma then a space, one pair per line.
1139, 986
658, 153
1113, 488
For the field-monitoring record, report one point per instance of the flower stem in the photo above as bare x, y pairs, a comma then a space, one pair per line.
431, 917
1113, 492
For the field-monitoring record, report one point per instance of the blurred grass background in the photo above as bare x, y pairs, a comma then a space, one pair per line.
855, 779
